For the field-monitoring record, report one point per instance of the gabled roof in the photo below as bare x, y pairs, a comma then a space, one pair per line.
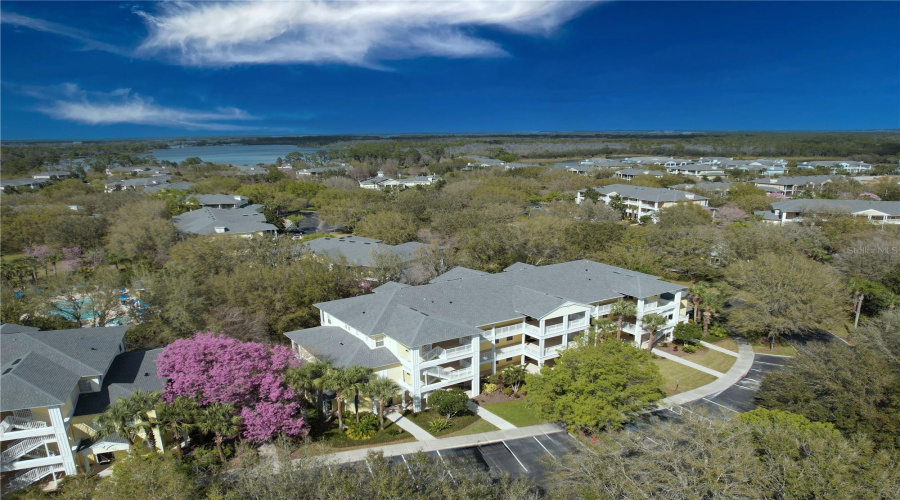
341, 347
130, 372
850, 206
639, 171
34, 381
360, 251
456, 273
795, 181
246, 220
648, 193
13, 328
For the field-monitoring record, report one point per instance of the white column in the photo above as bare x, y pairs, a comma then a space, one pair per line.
62, 439
416, 380
493, 350
541, 352
476, 365
638, 330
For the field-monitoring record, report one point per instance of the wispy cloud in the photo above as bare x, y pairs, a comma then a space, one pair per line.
123, 106
350, 32
61, 30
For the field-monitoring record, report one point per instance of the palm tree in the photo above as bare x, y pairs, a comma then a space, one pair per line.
179, 416
358, 377
652, 322
129, 417
221, 420
382, 389
116, 419
309, 381
697, 291
603, 328
621, 309
336, 379
713, 302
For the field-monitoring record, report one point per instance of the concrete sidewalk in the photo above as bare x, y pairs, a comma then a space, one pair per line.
685, 362
714, 347
738, 371
490, 417
405, 424
446, 443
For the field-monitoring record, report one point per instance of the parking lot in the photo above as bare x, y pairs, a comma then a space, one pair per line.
524, 457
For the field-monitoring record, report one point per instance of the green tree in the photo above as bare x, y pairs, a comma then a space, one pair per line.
596, 387
688, 333
450, 402
141, 231
785, 294
358, 378
129, 417
514, 376
382, 389
683, 215
149, 477
652, 323
391, 227
221, 420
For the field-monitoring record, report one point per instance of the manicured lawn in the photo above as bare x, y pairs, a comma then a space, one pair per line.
478, 427
780, 349
709, 358
459, 422
329, 435
684, 377
725, 343
516, 413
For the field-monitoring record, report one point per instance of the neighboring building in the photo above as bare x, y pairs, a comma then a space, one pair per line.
881, 212
318, 171
710, 187
247, 221
138, 183
628, 174
375, 182
359, 251
603, 163
454, 331
22, 184
789, 186
647, 160
407, 182
481, 161
52, 176
640, 201
714, 160
766, 166
696, 170
223, 201
851, 167
54, 383
514, 165
143, 170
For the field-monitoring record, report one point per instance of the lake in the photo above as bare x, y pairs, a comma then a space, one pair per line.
237, 154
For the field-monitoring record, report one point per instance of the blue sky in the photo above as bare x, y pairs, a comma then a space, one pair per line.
113, 70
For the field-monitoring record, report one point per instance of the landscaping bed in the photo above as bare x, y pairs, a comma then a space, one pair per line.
704, 356
516, 412
476, 428
684, 377
328, 434
459, 422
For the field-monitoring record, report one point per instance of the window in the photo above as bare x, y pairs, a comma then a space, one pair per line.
379, 342
84, 385
509, 338
508, 360
497, 341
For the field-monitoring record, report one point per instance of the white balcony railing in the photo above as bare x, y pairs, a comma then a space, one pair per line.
447, 374
507, 331
551, 329
441, 353
604, 309
532, 330
20, 422
532, 350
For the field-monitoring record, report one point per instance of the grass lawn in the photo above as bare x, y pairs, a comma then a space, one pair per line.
709, 358
725, 343
459, 422
515, 413
329, 435
686, 378
478, 427
780, 349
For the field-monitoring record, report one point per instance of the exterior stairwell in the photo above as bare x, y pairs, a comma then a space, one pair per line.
31, 476
20, 449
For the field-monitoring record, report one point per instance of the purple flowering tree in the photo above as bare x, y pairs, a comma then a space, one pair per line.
211, 368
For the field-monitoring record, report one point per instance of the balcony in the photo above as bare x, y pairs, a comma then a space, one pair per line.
440, 353
448, 374
659, 305
22, 424
604, 309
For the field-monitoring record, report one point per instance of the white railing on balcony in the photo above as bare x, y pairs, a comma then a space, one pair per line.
532, 330
441, 353
533, 351
551, 329
581, 323
554, 349
507, 331
658, 305
16, 422
604, 309
32, 475
446, 374
629, 327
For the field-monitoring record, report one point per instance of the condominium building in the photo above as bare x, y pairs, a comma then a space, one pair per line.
466, 324
640, 201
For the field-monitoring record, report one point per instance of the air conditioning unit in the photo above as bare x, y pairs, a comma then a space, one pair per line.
221, 229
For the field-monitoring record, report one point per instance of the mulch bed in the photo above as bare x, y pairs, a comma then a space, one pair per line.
495, 397
680, 353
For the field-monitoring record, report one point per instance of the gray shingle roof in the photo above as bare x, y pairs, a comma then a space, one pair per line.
222, 199
453, 308
639, 171
850, 206
795, 181
129, 372
246, 220
359, 251
648, 193
341, 348
458, 273
13, 328
180, 185
44, 367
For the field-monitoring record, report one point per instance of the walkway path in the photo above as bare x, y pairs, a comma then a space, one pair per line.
737, 372
446, 443
490, 417
685, 362
714, 347
405, 424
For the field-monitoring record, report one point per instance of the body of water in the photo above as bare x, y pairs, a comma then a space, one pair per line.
236, 154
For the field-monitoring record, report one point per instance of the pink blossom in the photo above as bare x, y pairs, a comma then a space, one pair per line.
870, 195
266, 420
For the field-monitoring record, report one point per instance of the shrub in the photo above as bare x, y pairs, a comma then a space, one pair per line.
689, 348
718, 331
438, 425
365, 428
489, 388
688, 333
449, 403
508, 391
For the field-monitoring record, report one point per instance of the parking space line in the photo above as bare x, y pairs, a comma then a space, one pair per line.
445, 465
752, 380
744, 388
369, 467
767, 363
407, 465
545, 448
723, 406
514, 455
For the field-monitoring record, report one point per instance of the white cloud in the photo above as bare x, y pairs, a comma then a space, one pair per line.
123, 106
60, 30
347, 32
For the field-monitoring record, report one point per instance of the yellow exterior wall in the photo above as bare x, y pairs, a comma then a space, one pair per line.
516, 339
502, 363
